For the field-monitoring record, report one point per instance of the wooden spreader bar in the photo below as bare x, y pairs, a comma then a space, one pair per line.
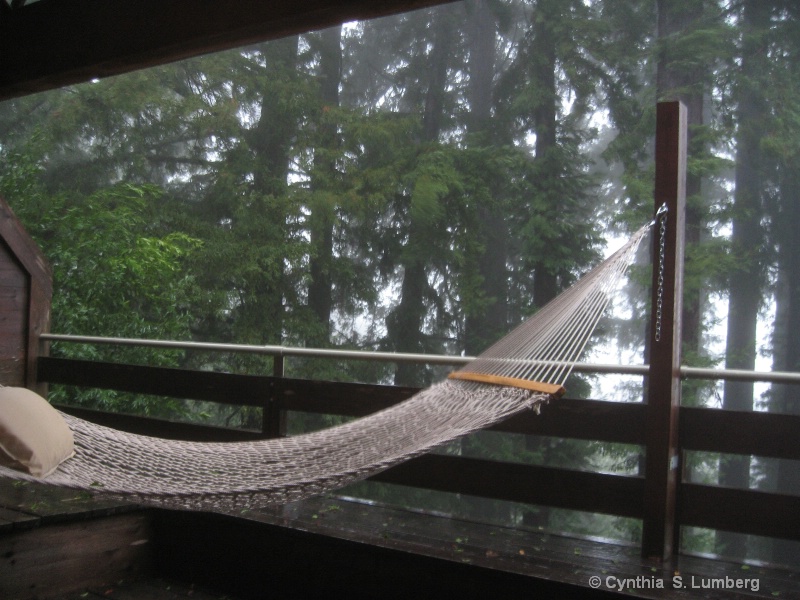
534, 386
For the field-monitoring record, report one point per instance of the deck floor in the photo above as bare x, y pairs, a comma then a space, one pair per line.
579, 563
154, 588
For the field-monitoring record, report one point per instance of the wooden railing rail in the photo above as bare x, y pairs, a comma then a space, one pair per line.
580, 419
701, 429
523, 483
764, 434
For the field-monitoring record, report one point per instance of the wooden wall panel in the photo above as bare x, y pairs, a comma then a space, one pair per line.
26, 288
14, 297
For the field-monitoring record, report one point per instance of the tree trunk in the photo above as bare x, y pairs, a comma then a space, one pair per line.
786, 344
271, 143
484, 328
321, 221
545, 118
405, 325
678, 82
747, 242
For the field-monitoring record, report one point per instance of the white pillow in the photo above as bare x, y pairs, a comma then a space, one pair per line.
34, 437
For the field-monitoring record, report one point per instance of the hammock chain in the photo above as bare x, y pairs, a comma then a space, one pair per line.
661, 215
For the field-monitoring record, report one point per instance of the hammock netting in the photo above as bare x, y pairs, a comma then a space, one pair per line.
521, 372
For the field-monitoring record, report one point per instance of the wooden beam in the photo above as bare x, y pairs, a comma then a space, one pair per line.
225, 388
597, 420
740, 432
664, 387
528, 484
39, 309
52, 43
618, 422
338, 398
161, 428
26, 251
534, 386
740, 511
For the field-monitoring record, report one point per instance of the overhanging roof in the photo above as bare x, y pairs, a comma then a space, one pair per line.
51, 43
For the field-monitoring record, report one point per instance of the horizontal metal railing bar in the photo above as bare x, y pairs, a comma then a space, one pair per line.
703, 429
266, 350
740, 375
599, 368
399, 357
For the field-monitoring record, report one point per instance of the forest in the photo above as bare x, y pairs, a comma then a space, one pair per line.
421, 183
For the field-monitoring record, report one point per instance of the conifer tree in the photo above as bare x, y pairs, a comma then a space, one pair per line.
324, 185
747, 238
781, 145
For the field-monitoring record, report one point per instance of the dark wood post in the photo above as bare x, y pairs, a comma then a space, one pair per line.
274, 419
663, 389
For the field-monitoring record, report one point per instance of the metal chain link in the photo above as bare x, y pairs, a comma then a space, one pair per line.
661, 218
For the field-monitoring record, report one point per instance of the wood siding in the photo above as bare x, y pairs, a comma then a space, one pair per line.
25, 293
14, 298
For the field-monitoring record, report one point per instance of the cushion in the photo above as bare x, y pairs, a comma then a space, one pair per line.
34, 437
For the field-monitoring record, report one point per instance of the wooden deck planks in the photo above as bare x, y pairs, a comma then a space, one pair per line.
24, 504
147, 589
322, 543
535, 554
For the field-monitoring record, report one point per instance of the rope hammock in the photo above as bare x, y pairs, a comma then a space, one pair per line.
520, 372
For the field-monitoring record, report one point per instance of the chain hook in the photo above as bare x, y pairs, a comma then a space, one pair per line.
661, 218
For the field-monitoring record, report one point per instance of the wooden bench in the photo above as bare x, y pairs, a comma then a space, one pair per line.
54, 541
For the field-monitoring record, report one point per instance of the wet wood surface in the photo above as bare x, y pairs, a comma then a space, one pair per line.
155, 588
538, 554
55, 541
333, 543
704, 429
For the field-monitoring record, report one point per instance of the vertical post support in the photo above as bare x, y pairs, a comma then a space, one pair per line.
274, 419
38, 323
662, 468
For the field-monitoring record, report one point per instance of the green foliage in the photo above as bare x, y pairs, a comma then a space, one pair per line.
113, 277
114, 274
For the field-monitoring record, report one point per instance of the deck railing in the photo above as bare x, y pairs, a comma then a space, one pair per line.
744, 511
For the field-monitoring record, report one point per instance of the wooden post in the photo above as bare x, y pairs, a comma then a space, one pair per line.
663, 389
274, 419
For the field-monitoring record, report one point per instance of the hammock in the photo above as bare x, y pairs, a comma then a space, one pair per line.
520, 372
